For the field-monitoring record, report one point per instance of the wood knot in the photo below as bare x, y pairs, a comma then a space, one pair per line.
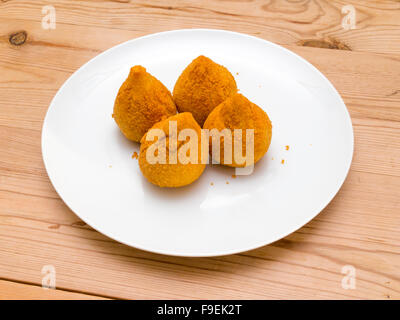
18, 38
327, 43
78, 224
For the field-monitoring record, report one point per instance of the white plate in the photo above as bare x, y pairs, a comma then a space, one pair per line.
89, 161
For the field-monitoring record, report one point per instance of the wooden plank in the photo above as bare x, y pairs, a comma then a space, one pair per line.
12, 291
283, 22
359, 228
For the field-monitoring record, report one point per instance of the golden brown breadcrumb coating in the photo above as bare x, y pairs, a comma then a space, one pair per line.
202, 86
175, 174
237, 112
141, 102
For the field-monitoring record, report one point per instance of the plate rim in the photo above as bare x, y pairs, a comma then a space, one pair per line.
199, 255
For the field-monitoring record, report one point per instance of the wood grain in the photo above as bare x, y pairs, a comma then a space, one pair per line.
14, 290
360, 227
284, 22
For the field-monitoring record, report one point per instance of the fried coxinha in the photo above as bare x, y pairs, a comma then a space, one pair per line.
141, 102
202, 86
205, 95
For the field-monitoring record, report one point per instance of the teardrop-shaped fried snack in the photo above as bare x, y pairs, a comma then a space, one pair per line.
237, 112
202, 86
141, 102
166, 163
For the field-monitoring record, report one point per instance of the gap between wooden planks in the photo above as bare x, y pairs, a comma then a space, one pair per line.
13, 290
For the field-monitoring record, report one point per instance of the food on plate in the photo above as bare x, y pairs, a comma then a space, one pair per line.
202, 86
171, 156
174, 148
237, 112
141, 102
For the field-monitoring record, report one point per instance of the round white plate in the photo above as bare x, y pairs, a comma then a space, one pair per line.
90, 165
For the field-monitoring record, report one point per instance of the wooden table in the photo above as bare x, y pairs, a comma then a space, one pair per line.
360, 228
